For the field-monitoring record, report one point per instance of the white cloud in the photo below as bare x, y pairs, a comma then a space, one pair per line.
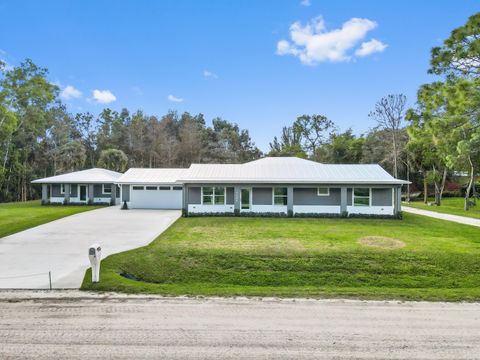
305, 3
69, 92
313, 44
370, 47
209, 74
103, 96
174, 98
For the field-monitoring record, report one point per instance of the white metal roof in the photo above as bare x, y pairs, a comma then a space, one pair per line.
267, 170
289, 170
95, 175
151, 176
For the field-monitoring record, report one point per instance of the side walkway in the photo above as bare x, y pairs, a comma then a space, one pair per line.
455, 218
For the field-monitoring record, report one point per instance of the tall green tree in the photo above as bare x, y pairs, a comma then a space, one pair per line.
342, 148
28, 93
289, 144
460, 53
113, 159
314, 130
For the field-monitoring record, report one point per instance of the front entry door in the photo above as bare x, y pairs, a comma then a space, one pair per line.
245, 199
83, 192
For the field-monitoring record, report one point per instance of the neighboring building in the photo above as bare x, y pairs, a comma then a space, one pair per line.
275, 186
92, 186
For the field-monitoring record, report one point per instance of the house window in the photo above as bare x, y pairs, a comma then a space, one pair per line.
323, 191
107, 188
280, 196
177, 188
62, 189
213, 195
164, 187
151, 188
361, 197
137, 188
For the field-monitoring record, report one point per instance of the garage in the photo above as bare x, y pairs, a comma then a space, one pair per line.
156, 197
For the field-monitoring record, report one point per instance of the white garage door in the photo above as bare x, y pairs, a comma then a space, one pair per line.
155, 197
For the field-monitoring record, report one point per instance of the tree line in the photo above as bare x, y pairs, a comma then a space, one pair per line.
39, 137
438, 137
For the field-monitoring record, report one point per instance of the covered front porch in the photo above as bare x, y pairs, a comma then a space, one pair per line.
66, 193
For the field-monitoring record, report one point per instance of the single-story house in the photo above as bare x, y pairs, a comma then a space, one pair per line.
273, 185
92, 186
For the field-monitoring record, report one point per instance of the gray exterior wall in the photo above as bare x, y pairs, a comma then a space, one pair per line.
230, 196
97, 192
382, 197
56, 190
194, 195
262, 196
308, 196
303, 194
125, 192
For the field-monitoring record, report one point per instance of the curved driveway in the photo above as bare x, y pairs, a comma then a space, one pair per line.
61, 246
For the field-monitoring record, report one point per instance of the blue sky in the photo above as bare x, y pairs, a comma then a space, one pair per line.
257, 63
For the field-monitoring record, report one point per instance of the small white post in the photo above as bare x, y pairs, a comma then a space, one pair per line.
95, 256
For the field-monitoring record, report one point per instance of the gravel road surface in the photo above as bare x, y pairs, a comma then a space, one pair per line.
75, 325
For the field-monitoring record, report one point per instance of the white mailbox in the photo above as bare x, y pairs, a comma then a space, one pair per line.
95, 256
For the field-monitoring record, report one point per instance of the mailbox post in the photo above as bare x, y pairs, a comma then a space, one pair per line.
95, 256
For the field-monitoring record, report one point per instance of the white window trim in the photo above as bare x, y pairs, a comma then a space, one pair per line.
106, 193
142, 187
62, 189
283, 196
213, 195
323, 187
369, 197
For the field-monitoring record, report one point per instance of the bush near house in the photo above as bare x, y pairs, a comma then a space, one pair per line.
418, 258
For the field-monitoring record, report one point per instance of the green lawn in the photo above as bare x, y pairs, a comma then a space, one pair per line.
453, 206
302, 258
15, 217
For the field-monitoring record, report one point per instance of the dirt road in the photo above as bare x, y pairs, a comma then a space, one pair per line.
76, 325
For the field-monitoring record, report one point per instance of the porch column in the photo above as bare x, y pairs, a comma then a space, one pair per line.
236, 199
44, 194
290, 200
113, 195
90, 194
398, 200
66, 196
343, 200
185, 199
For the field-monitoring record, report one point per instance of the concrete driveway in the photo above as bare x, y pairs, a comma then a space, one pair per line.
61, 246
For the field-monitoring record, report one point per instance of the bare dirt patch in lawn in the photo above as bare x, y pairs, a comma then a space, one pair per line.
381, 242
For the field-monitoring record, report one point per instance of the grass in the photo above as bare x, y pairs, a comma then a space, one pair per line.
15, 217
454, 206
302, 258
